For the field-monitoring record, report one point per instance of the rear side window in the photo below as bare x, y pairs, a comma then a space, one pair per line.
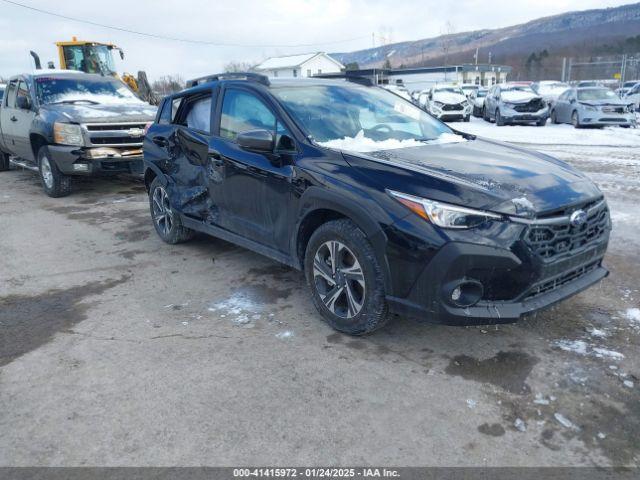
193, 111
165, 116
242, 111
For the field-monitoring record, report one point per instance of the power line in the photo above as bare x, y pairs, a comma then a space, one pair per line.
175, 39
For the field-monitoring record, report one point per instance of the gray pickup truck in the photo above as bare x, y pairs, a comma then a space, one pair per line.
62, 124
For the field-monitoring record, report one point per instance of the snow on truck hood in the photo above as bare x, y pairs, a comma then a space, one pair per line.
123, 112
362, 144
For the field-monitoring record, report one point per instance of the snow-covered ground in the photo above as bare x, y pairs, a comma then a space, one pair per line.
552, 134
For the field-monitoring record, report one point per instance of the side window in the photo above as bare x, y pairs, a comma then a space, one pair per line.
242, 111
23, 90
165, 115
10, 100
193, 112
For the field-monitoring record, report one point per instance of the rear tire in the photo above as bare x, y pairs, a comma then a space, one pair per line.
345, 278
54, 183
485, 115
4, 162
541, 123
165, 220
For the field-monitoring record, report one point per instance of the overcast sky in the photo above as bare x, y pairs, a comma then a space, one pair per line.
259, 24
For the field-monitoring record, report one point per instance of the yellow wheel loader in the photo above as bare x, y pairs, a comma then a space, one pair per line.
97, 57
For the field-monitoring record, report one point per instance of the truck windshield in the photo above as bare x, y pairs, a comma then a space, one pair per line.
358, 118
82, 90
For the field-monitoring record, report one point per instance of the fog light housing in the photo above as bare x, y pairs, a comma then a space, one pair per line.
464, 293
80, 167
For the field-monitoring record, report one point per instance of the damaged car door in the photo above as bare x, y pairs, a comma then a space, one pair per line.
253, 182
181, 145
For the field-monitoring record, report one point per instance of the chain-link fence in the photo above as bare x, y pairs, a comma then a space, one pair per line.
614, 69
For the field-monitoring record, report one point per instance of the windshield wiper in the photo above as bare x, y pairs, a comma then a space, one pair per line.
72, 102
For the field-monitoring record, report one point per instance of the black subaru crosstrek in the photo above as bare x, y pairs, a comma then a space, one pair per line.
385, 208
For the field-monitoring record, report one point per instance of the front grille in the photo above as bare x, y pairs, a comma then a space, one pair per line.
558, 282
115, 134
450, 108
116, 140
613, 109
552, 240
532, 106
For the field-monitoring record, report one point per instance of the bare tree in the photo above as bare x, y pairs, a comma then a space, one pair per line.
168, 84
238, 67
446, 42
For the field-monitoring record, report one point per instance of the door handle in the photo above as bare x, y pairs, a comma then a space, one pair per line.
161, 141
13, 118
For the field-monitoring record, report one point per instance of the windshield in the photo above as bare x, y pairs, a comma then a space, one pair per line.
596, 94
449, 89
76, 90
89, 59
481, 93
517, 88
358, 118
629, 84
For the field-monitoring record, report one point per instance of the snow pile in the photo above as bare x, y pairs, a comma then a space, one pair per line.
581, 347
240, 308
633, 315
362, 144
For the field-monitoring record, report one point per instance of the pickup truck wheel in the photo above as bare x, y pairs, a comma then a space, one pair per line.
166, 222
345, 278
4, 162
54, 183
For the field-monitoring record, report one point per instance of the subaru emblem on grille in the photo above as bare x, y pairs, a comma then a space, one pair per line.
135, 132
578, 218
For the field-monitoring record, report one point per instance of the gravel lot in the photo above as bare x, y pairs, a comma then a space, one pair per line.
116, 349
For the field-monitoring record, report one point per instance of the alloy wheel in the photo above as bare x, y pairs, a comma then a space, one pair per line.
339, 279
162, 213
47, 174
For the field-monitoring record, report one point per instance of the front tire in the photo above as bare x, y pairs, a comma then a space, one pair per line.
165, 220
554, 117
54, 183
575, 120
467, 118
345, 278
499, 119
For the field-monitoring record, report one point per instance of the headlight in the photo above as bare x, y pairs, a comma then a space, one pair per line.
438, 104
442, 214
631, 108
67, 134
589, 108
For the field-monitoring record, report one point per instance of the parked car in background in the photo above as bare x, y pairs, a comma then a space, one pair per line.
385, 209
550, 90
477, 101
400, 90
592, 106
513, 103
61, 124
469, 89
588, 83
446, 102
626, 86
632, 97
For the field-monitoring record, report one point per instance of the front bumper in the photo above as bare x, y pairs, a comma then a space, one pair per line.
512, 116
528, 287
96, 161
601, 119
451, 115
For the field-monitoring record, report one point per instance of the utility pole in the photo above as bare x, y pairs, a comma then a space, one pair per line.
564, 69
569, 69
489, 58
476, 56
373, 40
623, 69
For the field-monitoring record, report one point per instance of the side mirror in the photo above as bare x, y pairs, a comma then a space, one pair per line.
256, 141
23, 103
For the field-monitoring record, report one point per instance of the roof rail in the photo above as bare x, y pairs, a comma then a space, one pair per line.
253, 77
348, 77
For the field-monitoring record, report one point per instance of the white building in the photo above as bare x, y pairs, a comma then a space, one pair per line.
293, 66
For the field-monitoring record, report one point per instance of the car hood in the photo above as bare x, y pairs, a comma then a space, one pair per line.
105, 113
518, 96
615, 102
479, 174
449, 98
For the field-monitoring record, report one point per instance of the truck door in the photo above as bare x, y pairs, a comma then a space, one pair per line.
22, 118
7, 115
